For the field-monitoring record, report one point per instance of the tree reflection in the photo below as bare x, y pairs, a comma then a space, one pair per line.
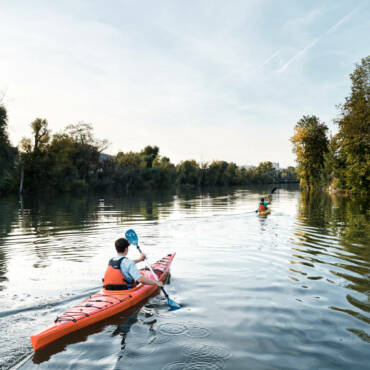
335, 230
8, 216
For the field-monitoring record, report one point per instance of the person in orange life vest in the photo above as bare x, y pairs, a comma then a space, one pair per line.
263, 206
122, 272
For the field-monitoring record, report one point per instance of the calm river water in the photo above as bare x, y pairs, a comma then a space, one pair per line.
286, 291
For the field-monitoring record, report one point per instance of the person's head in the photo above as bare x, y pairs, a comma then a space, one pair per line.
121, 245
262, 199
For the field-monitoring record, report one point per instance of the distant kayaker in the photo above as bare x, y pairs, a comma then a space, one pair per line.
263, 206
122, 273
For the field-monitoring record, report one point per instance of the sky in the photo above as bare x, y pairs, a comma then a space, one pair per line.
201, 79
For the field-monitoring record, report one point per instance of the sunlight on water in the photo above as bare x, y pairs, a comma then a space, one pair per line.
290, 290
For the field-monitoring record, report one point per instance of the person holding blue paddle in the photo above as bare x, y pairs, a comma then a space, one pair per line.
122, 273
263, 206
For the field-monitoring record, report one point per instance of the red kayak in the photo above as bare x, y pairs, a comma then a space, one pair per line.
101, 305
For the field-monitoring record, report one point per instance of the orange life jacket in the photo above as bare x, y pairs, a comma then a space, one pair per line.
262, 207
114, 279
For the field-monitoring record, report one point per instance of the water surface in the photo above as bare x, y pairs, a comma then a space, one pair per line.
286, 291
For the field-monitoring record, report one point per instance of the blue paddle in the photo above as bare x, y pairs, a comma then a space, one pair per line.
133, 239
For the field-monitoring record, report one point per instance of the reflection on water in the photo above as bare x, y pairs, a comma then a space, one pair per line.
337, 227
257, 292
334, 231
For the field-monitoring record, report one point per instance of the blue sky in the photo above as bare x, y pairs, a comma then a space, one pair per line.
202, 80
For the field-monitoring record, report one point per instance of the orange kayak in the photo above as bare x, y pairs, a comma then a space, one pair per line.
264, 213
101, 305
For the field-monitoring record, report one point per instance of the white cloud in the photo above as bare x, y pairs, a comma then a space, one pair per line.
298, 55
197, 79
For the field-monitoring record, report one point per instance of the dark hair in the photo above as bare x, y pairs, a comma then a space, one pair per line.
262, 199
121, 244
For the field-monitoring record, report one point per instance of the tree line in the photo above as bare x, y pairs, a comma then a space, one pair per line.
74, 160
341, 161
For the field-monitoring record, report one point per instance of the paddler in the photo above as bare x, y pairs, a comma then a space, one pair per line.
263, 206
122, 273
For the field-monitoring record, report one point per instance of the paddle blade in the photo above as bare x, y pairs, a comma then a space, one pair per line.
172, 304
273, 190
132, 237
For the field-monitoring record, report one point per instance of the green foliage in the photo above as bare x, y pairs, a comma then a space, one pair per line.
4, 141
7, 154
3, 126
149, 154
69, 162
75, 157
72, 160
130, 160
34, 156
188, 172
222, 173
344, 161
264, 173
133, 171
288, 173
63, 152
350, 159
334, 165
219, 173
310, 144
41, 134
167, 171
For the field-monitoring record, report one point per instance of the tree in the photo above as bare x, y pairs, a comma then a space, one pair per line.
288, 174
220, 173
310, 143
82, 133
130, 159
3, 126
7, 153
265, 172
352, 143
215, 173
167, 174
231, 174
34, 157
63, 172
87, 152
334, 165
149, 154
41, 134
4, 140
188, 172
69, 162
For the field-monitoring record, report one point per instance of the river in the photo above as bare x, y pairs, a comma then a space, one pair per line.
286, 291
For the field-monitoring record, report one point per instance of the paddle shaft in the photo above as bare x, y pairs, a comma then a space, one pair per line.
151, 270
